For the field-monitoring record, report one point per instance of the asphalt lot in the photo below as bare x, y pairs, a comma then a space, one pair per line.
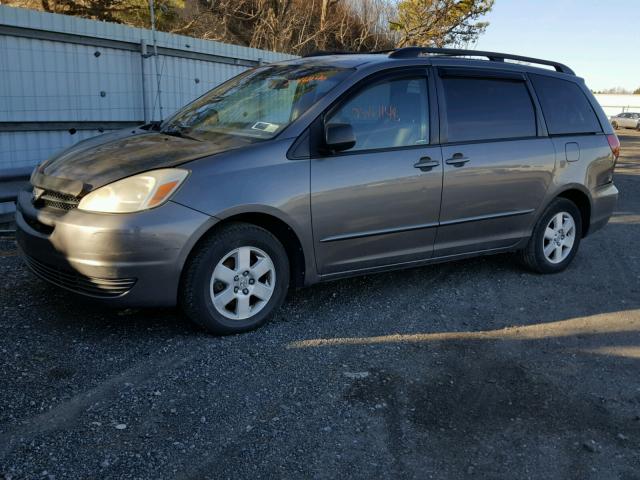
474, 369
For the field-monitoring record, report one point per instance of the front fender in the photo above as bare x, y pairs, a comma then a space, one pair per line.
256, 180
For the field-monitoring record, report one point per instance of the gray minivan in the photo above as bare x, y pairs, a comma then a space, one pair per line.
320, 168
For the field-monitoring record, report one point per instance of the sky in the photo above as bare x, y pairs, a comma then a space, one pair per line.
598, 39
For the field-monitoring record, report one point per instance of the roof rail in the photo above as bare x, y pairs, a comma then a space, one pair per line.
411, 52
322, 53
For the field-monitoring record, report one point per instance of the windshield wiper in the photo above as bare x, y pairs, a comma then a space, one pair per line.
179, 131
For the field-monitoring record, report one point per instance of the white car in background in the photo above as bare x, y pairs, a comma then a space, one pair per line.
626, 120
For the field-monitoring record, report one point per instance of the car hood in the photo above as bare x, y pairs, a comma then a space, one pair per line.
95, 162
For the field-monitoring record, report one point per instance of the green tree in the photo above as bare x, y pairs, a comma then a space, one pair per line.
436, 23
636, 91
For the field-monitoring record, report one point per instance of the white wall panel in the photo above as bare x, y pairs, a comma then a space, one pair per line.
25, 149
54, 81
614, 104
65, 80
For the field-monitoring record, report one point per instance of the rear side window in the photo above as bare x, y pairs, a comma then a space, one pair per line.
487, 109
565, 107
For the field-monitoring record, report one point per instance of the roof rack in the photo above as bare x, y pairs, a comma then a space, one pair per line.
411, 52
322, 53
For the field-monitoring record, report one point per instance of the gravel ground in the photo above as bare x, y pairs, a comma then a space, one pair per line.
473, 369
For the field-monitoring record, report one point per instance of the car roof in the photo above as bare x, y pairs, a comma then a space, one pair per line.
351, 60
438, 57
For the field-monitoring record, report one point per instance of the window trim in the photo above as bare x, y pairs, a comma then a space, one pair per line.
470, 72
316, 128
492, 74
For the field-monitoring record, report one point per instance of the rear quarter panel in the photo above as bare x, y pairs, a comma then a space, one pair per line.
589, 173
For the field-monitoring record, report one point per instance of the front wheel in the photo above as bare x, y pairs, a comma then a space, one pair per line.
615, 125
235, 280
555, 239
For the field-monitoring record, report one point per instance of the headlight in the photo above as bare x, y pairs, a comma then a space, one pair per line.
132, 194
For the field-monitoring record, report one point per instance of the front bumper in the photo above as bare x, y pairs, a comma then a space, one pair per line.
126, 259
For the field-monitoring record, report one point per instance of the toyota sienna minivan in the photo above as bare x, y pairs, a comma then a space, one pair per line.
320, 168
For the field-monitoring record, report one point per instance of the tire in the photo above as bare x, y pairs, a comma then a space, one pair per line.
214, 273
615, 125
533, 256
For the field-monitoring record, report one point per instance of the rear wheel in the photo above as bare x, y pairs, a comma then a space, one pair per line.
236, 279
555, 239
615, 125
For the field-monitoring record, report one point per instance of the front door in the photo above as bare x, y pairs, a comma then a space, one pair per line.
496, 169
378, 203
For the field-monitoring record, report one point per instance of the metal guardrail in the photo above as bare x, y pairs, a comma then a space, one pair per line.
91, 41
623, 108
12, 181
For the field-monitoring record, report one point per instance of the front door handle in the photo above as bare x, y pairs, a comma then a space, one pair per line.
457, 160
426, 164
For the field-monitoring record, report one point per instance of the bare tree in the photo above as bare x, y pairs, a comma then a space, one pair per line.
295, 26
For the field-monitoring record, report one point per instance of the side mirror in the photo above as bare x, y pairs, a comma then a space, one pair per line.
339, 136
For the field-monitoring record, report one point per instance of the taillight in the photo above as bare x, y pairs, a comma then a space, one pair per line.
614, 143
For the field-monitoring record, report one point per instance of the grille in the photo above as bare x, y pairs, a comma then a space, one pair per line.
57, 200
93, 286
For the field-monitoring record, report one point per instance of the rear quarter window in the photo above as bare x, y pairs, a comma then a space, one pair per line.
565, 107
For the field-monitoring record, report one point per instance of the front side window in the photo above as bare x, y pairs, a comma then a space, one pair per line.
565, 107
256, 105
388, 114
487, 109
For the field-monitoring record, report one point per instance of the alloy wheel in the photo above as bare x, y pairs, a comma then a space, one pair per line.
242, 283
559, 237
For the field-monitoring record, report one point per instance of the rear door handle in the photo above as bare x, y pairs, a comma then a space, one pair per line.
426, 164
457, 160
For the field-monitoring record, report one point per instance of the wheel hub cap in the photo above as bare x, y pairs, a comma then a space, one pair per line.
242, 283
559, 237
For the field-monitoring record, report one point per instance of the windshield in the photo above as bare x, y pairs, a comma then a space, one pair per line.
256, 105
